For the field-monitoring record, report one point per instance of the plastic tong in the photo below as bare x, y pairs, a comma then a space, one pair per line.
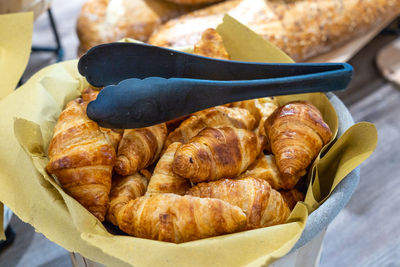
147, 85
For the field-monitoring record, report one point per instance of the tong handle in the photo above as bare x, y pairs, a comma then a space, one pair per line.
136, 103
112, 63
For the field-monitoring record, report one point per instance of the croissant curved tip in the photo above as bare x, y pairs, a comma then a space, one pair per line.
123, 166
187, 164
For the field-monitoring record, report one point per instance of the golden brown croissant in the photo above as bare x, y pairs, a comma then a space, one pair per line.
297, 133
164, 180
291, 197
261, 109
211, 45
82, 159
219, 116
89, 94
173, 124
139, 148
114, 136
265, 168
123, 190
174, 218
217, 153
263, 205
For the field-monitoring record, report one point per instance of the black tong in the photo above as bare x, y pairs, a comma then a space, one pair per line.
147, 85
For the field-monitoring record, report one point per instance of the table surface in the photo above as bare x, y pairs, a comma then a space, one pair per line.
365, 233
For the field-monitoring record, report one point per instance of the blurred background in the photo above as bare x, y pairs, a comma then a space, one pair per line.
365, 233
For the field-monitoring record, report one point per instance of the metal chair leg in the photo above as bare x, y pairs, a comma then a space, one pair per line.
58, 50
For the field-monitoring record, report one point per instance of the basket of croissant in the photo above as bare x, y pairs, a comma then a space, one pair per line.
229, 185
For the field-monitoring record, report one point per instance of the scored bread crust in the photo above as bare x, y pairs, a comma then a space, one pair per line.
193, 2
103, 21
302, 28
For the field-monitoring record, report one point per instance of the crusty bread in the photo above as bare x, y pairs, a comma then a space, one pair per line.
103, 21
302, 28
193, 2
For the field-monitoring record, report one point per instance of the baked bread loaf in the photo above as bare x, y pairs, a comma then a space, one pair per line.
263, 205
302, 28
193, 2
104, 21
174, 218
82, 158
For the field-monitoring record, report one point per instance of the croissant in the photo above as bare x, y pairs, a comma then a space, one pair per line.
211, 45
82, 159
164, 180
174, 218
263, 205
216, 153
123, 190
139, 148
219, 116
297, 133
291, 197
261, 109
265, 168
174, 123
89, 94
114, 136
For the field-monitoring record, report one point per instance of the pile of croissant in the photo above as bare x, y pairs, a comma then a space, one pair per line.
221, 170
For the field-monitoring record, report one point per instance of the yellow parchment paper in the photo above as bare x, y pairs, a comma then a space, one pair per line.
15, 48
28, 118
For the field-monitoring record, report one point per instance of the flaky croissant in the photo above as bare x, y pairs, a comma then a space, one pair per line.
265, 168
89, 94
123, 190
114, 136
291, 197
219, 116
217, 153
261, 109
164, 180
211, 45
174, 218
263, 205
82, 158
297, 133
139, 148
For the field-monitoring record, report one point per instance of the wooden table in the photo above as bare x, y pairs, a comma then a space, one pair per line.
365, 233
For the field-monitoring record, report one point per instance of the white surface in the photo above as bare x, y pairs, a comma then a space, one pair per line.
307, 256
7, 217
